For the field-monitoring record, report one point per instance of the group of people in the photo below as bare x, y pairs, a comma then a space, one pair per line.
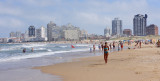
105, 48
111, 46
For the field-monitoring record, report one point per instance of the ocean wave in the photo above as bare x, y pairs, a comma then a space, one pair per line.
33, 45
36, 55
81, 45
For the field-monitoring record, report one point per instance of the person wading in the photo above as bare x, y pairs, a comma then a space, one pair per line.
106, 49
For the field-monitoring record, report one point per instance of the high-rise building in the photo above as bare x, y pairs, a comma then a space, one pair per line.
41, 34
139, 25
152, 30
117, 27
127, 32
50, 27
107, 32
31, 31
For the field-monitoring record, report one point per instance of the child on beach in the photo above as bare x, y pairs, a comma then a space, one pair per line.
106, 49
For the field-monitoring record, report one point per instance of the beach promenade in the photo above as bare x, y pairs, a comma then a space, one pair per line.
141, 64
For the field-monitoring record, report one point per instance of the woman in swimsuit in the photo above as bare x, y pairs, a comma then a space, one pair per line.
106, 49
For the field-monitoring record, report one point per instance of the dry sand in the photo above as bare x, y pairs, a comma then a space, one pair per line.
128, 65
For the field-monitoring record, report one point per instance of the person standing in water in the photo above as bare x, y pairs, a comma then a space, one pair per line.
24, 50
110, 45
94, 48
32, 50
114, 45
90, 50
99, 46
102, 46
118, 46
106, 49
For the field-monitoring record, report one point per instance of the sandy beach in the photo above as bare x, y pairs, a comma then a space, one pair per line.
127, 65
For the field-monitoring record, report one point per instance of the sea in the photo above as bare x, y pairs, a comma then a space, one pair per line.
17, 66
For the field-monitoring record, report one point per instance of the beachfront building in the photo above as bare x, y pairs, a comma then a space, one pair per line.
127, 32
3, 40
139, 25
41, 34
152, 30
18, 34
50, 27
71, 34
117, 27
31, 31
15, 34
107, 32
12, 34
83, 34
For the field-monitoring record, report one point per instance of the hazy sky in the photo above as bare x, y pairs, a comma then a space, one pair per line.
91, 15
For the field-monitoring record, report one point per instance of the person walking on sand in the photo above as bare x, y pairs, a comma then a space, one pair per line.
110, 45
106, 49
121, 43
140, 44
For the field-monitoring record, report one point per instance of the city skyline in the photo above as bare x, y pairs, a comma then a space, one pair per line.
91, 15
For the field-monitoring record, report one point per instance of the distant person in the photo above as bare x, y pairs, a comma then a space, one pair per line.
106, 49
99, 46
114, 45
110, 45
32, 49
118, 46
102, 46
90, 50
158, 43
24, 50
121, 43
94, 48
140, 44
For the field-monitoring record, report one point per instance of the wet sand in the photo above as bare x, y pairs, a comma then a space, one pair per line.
128, 65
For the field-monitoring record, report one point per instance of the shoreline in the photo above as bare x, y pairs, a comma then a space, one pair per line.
127, 65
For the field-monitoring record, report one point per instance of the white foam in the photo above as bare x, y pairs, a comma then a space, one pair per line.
81, 45
49, 50
33, 55
63, 46
33, 45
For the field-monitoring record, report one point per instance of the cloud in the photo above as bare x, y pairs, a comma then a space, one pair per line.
11, 23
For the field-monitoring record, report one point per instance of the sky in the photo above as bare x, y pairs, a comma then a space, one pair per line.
91, 15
